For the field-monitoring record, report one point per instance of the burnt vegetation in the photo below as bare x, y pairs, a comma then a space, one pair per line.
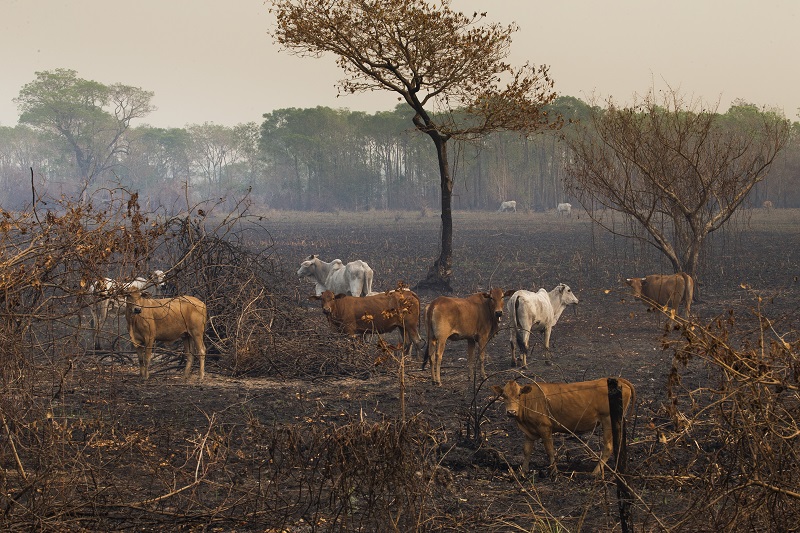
299, 429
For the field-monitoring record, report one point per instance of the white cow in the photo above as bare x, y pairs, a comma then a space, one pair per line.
535, 311
111, 293
510, 205
564, 208
354, 278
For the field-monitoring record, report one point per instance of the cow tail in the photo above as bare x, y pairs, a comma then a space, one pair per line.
427, 357
518, 327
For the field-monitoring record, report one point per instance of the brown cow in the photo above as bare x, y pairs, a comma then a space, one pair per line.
664, 290
542, 409
376, 313
167, 320
475, 319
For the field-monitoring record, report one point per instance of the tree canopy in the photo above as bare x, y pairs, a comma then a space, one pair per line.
90, 117
677, 169
448, 67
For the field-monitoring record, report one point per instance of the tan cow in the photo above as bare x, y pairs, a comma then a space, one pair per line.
542, 409
376, 313
167, 320
475, 319
664, 290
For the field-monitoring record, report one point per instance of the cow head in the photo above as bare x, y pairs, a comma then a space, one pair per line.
308, 267
327, 298
567, 296
636, 284
494, 300
158, 279
135, 300
510, 394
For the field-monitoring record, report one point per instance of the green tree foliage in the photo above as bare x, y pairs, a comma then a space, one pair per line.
678, 171
89, 117
439, 61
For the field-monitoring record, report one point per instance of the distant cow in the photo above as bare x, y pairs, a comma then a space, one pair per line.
664, 290
542, 409
474, 319
166, 320
510, 205
110, 294
564, 209
767, 204
354, 278
535, 311
376, 313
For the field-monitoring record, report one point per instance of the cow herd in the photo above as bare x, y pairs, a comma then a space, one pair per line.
351, 307
540, 409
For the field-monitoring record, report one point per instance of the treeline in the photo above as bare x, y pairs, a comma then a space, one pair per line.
322, 159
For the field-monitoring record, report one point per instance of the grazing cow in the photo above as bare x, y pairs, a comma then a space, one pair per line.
535, 311
474, 319
375, 313
564, 209
354, 278
767, 204
167, 320
510, 205
542, 409
664, 290
110, 295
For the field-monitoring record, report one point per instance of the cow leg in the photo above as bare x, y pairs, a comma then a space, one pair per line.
547, 331
608, 446
144, 362
547, 440
470, 359
513, 347
187, 350
482, 357
435, 350
200, 346
527, 450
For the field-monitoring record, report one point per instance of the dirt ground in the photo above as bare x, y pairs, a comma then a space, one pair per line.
610, 334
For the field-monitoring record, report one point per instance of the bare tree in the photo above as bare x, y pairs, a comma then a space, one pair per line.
448, 67
678, 170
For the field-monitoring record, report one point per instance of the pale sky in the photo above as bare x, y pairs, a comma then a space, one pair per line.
214, 60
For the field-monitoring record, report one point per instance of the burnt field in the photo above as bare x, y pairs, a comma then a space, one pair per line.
308, 435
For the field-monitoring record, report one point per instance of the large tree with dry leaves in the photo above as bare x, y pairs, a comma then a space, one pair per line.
675, 169
450, 68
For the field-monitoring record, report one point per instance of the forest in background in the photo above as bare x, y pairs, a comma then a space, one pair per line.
318, 159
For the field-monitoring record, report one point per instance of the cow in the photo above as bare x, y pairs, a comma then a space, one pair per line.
767, 204
510, 205
535, 311
354, 278
475, 319
541, 409
110, 297
664, 290
167, 320
564, 209
375, 313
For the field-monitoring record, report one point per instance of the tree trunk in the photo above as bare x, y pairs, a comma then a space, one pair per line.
439, 273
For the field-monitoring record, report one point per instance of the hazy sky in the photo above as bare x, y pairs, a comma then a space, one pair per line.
214, 60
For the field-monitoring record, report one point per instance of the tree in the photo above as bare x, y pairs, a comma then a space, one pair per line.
438, 61
90, 117
679, 171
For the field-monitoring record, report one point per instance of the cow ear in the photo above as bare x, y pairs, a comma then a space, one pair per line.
509, 292
146, 294
486, 295
629, 281
497, 389
526, 389
338, 296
